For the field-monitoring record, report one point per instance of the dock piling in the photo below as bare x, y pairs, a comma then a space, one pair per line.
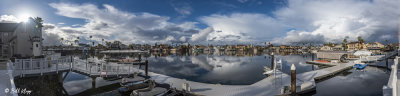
387, 65
147, 66
293, 79
272, 61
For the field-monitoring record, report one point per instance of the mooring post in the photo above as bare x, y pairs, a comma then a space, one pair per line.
272, 61
140, 57
293, 79
93, 82
387, 65
31, 64
147, 67
312, 56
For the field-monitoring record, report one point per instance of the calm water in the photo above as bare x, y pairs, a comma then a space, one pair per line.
232, 70
222, 69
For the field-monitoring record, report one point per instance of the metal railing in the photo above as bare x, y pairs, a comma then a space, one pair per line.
33, 66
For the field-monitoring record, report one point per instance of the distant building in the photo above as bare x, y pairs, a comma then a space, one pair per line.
338, 47
375, 47
356, 46
21, 39
326, 48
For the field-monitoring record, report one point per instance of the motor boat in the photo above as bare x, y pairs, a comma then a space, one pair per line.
360, 66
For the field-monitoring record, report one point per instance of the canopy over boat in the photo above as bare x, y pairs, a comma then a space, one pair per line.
363, 53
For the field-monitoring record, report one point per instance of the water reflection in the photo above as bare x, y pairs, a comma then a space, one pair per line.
224, 68
233, 68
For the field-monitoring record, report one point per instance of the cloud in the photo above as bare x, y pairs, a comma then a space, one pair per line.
310, 21
202, 35
243, 27
9, 19
242, 1
182, 8
110, 23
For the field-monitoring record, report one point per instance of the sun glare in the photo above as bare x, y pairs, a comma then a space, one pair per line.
24, 17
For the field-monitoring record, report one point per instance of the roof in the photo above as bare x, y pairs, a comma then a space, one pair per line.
8, 27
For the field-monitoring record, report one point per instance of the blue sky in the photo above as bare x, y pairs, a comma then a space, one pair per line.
197, 8
210, 21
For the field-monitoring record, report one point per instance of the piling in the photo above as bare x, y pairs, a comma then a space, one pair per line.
293, 79
93, 82
147, 67
312, 56
312, 59
272, 61
140, 57
387, 65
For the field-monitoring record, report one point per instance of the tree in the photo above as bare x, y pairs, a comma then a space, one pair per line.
361, 41
131, 46
62, 40
344, 44
76, 42
102, 40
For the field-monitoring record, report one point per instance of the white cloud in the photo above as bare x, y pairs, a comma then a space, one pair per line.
9, 19
310, 21
112, 24
182, 8
243, 27
202, 35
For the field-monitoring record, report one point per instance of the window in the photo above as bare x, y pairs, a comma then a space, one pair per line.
37, 45
6, 34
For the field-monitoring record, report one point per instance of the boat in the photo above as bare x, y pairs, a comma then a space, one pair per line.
360, 66
321, 61
127, 87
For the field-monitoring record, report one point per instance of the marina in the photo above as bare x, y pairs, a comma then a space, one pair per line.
306, 81
199, 48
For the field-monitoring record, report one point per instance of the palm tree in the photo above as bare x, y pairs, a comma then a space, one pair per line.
90, 39
344, 44
62, 40
102, 40
76, 42
361, 41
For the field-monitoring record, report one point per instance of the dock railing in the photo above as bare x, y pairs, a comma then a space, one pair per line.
43, 65
103, 68
391, 88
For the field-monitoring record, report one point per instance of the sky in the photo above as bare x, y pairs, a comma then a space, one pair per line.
282, 22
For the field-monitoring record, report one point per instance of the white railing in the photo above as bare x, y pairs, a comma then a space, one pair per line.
43, 65
391, 87
22, 67
107, 68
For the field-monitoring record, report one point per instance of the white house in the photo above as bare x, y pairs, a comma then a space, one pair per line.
22, 39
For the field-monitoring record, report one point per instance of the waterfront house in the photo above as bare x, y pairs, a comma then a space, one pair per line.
352, 46
337, 47
22, 39
375, 47
326, 48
